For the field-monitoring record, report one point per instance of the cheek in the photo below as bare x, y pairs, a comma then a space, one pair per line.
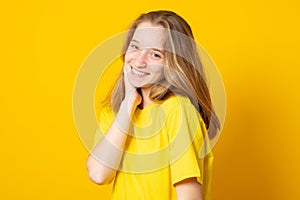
158, 68
159, 71
126, 58
129, 56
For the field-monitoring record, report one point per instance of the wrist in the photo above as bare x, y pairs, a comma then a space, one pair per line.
128, 105
124, 117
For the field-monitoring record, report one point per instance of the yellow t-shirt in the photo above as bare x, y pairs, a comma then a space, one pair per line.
165, 146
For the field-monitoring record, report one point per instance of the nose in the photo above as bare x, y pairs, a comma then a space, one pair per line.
140, 59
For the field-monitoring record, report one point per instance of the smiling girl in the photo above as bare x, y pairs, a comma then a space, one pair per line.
157, 119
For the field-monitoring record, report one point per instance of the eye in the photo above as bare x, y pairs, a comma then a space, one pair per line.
156, 55
134, 46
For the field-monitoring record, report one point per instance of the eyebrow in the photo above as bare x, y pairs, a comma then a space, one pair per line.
133, 40
155, 49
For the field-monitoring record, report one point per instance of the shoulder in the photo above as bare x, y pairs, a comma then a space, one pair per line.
179, 110
106, 114
106, 110
180, 107
177, 102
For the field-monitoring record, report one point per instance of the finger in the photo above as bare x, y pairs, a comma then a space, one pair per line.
128, 86
126, 69
125, 75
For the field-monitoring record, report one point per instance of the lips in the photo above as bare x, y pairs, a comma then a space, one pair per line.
138, 73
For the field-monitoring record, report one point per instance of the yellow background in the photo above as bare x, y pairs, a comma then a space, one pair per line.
255, 45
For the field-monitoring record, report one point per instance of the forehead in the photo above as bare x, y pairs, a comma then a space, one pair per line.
149, 35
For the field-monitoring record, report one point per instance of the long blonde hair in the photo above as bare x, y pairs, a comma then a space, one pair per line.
183, 74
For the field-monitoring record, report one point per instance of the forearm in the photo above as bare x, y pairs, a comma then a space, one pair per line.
105, 158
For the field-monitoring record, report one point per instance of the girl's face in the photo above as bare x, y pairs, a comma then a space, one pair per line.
144, 58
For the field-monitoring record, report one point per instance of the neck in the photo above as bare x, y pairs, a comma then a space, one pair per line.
145, 96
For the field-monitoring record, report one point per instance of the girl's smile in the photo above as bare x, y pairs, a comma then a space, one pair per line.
138, 73
144, 58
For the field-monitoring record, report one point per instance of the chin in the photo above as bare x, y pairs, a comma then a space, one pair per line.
135, 84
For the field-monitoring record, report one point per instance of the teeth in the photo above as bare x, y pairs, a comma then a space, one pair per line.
138, 73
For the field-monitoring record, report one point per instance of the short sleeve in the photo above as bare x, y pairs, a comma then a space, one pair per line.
106, 117
186, 139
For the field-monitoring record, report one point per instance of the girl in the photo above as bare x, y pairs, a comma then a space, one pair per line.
158, 116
